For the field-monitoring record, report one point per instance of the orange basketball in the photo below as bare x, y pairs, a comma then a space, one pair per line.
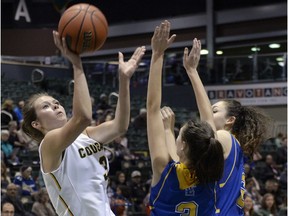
84, 27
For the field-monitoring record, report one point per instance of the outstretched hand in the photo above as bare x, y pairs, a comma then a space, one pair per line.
128, 68
191, 60
66, 52
168, 118
160, 40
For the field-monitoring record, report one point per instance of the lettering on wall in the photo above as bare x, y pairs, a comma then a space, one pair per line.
250, 94
22, 11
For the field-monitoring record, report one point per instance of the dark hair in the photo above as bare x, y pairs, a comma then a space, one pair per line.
29, 115
264, 205
204, 151
251, 127
40, 194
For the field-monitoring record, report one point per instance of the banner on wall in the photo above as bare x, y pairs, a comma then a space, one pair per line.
250, 94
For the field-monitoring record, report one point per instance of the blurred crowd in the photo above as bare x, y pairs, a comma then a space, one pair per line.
23, 191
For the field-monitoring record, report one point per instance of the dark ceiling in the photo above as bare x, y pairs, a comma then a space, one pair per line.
239, 37
46, 13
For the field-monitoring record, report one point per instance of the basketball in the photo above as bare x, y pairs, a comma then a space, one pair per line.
84, 27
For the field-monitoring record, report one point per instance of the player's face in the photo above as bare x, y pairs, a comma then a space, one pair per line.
50, 114
219, 114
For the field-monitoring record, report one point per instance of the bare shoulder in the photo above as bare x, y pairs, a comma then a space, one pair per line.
50, 154
224, 138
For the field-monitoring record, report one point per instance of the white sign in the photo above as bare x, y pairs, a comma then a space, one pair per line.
250, 94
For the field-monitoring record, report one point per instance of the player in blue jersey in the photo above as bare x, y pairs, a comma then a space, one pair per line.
184, 173
240, 130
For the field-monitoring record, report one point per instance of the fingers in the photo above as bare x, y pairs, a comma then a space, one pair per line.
171, 39
57, 40
138, 54
156, 32
196, 47
167, 112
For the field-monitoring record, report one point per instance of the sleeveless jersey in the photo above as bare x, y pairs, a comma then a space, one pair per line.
231, 187
177, 193
79, 185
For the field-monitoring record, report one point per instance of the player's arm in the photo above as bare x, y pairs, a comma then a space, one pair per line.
56, 141
108, 131
190, 63
168, 118
155, 129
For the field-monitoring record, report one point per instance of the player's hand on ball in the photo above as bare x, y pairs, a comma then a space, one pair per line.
62, 46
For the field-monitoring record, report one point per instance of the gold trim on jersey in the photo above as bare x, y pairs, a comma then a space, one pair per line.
235, 155
59, 187
217, 210
185, 177
65, 204
56, 181
162, 185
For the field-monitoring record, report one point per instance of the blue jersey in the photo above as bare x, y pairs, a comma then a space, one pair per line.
231, 187
177, 193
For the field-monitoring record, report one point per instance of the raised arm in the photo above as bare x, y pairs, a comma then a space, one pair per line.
168, 119
155, 129
190, 63
108, 131
57, 140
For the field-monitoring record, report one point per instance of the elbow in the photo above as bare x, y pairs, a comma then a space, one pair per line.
85, 120
122, 130
151, 106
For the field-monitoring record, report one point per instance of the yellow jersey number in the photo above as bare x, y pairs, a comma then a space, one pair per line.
187, 208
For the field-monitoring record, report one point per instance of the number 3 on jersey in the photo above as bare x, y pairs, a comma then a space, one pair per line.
103, 162
187, 208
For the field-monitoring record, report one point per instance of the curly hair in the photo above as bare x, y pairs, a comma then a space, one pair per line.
252, 126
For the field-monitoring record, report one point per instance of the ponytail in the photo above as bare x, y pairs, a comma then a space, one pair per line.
205, 153
210, 166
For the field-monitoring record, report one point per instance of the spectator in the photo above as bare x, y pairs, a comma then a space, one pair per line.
26, 184
249, 207
278, 139
253, 190
7, 209
7, 113
140, 121
103, 103
248, 171
138, 191
18, 110
268, 206
29, 143
283, 208
7, 148
121, 152
42, 206
119, 180
283, 180
13, 136
281, 154
11, 196
120, 200
270, 171
5, 178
